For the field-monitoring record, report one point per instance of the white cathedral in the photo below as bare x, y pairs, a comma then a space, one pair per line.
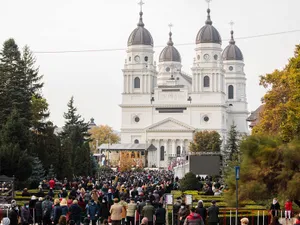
163, 107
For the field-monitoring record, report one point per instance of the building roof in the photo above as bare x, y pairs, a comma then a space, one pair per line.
170, 53
186, 77
140, 35
255, 116
208, 33
232, 52
127, 147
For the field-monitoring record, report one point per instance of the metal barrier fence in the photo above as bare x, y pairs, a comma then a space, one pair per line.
255, 217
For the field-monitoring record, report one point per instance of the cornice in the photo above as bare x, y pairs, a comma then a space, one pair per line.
173, 105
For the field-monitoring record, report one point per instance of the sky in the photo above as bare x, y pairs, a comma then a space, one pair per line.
95, 79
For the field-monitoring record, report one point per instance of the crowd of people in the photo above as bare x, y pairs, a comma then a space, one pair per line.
117, 198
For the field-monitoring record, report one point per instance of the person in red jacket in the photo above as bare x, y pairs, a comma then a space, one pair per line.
52, 183
288, 209
194, 218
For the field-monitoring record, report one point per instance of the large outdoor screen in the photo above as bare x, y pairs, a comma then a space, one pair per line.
205, 164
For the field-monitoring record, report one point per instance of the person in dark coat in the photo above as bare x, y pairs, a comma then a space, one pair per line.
51, 193
56, 211
25, 193
75, 212
47, 208
275, 207
160, 215
201, 211
176, 208
104, 210
39, 211
93, 212
25, 214
148, 211
213, 214
32, 203
13, 217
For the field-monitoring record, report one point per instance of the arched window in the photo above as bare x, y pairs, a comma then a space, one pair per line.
206, 81
136, 141
230, 92
162, 153
178, 151
137, 82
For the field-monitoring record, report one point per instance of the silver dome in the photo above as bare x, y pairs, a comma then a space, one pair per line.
170, 53
208, 33
140, 35
232, 52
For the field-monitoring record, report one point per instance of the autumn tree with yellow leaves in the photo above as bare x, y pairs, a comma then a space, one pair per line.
270, 156
281, 114
103, 134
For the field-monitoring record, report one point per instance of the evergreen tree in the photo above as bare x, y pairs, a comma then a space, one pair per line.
75, 139
232, 145
51, 172
38, 172
13, 148
189, 182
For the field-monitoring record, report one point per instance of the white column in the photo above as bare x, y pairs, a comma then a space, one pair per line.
173, 147
130, 83
158, 153
166, 150
181, 146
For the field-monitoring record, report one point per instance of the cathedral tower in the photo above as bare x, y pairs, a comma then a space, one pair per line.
235, 83
208, 74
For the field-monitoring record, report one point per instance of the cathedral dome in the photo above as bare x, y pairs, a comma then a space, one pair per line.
232, 52
140, 35
208, 33
170, 53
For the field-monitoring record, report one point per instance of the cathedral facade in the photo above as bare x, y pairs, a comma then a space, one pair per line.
163, 107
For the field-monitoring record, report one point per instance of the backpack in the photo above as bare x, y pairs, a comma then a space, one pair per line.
47, 210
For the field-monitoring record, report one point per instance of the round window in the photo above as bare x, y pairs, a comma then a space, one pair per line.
137, 58
177, 78
146, 58
216, 57
206, 118
206, 56
136, 119
230, 68
198, 57
136, 141
168, 69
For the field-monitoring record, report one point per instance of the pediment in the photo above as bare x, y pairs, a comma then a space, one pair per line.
170, 124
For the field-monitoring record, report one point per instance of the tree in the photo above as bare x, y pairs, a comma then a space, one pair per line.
269, 167
102, 134
38, 172
75, 145
206, 141
232, 145
51, 172
281, 114
189, 182
14, 156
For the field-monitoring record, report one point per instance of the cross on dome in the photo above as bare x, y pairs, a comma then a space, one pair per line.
231, 23
141, 23
170, 42
141, 3
208, 2
208, 20
232, 41
170, 26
